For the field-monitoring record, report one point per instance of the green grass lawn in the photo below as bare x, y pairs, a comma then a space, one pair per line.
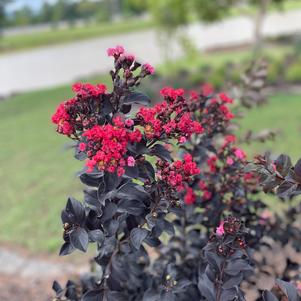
50, 37
37, 174
283, 112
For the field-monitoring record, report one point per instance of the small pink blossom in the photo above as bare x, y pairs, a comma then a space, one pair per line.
82, 147
182, 139
129, 122
240, 154
131, 161
220, 229
149, 69
230, 161
265, 216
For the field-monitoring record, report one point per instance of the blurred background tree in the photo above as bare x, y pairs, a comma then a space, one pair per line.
70, 11
3, 16
171, 14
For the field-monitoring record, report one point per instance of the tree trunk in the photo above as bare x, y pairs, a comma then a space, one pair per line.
259, 19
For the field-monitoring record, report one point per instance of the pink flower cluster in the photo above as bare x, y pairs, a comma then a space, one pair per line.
115, 52
148, 69
122, 59
220, 231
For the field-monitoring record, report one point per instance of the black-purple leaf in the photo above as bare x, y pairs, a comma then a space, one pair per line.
288, 289
206, 288
74, 212
133, 207
79, 239
160, 151
90, 197
236, 266
214, 260
131, 171
111, 181
108, 211
96, 236
91, 179
146, 171
233, 281
126, 109
268, 296
56, 287
136, 97
115, 296
66, 249
286, 189
283, 164
151, 295
167, 296
94, 295
297, 169
137, 236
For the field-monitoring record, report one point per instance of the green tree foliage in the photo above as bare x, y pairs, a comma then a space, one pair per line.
134, 7
23, 16
3, 20
70, 11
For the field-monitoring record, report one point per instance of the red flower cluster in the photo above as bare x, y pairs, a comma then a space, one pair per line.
86, 90
171, 94
207, 89
226, 112
179, 173
77, 113
190, 196
213, 113
62, 119
207, 194
106, 146
169, 118
211, 162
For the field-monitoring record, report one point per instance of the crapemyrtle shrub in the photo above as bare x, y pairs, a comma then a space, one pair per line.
168, 201
281, 178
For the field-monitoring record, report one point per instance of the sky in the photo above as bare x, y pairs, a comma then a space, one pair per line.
34, 4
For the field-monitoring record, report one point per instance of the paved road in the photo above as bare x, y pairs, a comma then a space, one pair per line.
13, 263
55, 65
